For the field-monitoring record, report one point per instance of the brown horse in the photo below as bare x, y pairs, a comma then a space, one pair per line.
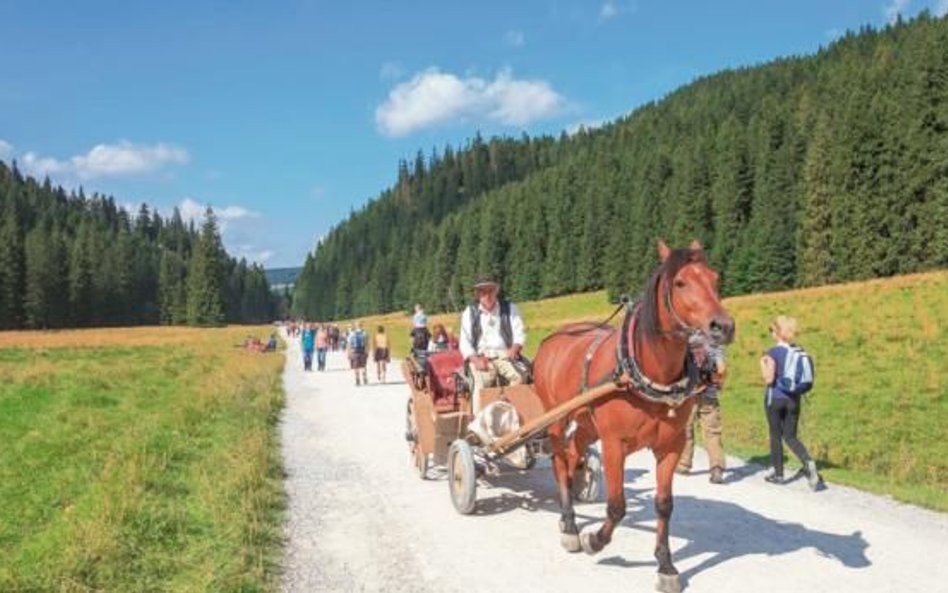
681, 300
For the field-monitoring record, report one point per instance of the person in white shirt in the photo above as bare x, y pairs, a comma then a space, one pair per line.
492, 337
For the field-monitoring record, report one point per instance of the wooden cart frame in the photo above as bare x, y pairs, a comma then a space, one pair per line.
437, 434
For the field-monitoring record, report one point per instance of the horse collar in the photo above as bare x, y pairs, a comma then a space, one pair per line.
672, 395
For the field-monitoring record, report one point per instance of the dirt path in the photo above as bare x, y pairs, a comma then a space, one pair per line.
360, 519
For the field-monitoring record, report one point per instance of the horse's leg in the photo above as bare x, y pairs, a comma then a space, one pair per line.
613, 464
667, 460
569, 533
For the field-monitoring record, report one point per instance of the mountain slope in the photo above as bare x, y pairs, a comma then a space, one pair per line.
800, 172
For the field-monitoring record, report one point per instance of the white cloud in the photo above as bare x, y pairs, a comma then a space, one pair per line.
894, 9
191, 209
109, 160
42, 166
235, 213
941, 8
515, 38
608, 10
6, 149
253, 254
125, 158
433, 97
391, 70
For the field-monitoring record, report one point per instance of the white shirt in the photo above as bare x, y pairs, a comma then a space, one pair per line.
491, 342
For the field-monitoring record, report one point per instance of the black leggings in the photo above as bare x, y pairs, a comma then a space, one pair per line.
783, 415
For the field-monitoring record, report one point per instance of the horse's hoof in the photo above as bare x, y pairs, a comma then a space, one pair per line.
590, 542
570, 542
668, 583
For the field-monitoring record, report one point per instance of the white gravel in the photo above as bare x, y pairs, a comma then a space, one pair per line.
360, 519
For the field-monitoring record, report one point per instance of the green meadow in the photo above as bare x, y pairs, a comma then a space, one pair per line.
877, 416
138, 460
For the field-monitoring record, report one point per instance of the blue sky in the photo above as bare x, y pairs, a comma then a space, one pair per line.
286, 115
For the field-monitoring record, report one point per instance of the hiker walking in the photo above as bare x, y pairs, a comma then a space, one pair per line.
308, 342
787, 371
707, 411
322, 345
380, 353
356, 344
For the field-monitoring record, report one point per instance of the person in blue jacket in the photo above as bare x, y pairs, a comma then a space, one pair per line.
308, 342
783, 409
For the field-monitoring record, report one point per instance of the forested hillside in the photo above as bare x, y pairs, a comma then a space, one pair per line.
67, 260
800, 172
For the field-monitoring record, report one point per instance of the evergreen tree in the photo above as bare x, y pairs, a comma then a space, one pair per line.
205, 277
816, 227
11, 269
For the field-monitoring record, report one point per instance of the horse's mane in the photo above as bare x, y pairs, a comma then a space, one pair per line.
651, 300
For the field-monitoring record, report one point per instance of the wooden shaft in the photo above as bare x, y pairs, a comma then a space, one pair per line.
513, 440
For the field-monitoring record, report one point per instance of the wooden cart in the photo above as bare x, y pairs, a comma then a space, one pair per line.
439, 411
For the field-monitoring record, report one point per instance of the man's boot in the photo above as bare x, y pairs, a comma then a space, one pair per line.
717, 475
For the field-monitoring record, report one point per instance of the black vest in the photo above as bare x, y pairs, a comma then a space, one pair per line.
506, 331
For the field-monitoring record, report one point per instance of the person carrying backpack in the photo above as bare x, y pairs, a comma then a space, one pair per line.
307, 342
787, 371
357, 345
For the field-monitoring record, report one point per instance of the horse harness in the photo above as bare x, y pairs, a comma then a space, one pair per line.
627, 366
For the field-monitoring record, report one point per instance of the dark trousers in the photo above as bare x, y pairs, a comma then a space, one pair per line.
321, 358
783, 415
307, 360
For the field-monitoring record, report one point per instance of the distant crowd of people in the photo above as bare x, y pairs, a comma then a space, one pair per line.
318, 339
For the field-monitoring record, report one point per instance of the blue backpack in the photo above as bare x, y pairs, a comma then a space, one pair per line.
358, 341
796, 377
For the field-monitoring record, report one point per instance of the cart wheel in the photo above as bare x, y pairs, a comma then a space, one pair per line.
411, 431
587, 482
462, 479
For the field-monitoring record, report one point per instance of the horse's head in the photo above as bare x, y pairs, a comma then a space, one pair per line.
688, 291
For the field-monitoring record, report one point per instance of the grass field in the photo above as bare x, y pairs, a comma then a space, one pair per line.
138, 459
877, 416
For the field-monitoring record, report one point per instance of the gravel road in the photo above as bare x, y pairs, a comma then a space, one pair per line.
360, 519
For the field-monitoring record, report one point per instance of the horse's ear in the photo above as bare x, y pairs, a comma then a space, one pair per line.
663, 250
695, 245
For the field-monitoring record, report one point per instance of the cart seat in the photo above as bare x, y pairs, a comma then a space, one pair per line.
442, 367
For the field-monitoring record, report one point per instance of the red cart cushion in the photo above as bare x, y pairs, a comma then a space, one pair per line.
442, 366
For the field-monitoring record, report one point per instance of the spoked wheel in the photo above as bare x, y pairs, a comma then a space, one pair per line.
587, 481
418, 459
411, 431
462, 477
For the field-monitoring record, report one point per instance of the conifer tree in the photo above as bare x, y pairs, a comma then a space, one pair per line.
11, 269
205, 277
816, 227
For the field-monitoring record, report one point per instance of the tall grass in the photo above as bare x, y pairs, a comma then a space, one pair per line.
145, 460
877, 416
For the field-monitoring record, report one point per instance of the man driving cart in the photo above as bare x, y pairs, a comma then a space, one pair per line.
492, 338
